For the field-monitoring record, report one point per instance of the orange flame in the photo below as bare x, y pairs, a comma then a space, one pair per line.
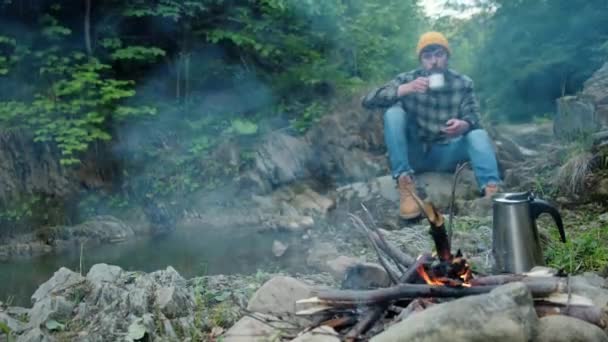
465, 277
426, 277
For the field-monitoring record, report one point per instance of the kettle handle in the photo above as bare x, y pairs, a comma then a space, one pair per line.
539, 206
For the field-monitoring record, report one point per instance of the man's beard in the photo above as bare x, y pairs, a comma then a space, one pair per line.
437, 70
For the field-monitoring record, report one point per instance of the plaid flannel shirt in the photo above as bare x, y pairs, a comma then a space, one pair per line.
432, 108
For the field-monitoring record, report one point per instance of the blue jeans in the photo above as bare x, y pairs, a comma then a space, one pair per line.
408, 154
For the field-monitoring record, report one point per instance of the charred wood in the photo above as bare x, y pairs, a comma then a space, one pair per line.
365, 323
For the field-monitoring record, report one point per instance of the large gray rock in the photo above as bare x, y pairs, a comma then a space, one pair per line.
342, 147
343, 142
567, 329
596, 89
320, 334
278, 296
35, 335
281, 159
249, 329
437, 187
12, 323
431, 186
586, 112
30, 168
104, 273
575, 117
110, 303
62, 280
52, 307
505, 314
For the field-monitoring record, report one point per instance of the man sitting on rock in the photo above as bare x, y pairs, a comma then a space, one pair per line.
432, 123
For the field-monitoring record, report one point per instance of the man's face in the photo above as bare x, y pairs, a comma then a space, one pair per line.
434, 58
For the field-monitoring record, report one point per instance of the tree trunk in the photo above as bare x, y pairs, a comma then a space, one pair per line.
87, 27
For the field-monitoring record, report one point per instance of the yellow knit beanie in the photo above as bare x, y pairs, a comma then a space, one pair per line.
431, 38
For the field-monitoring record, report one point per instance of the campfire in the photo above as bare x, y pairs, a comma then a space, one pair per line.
427, 280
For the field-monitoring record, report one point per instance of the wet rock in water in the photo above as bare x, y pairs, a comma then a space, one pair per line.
101, 229
559, 328
505, 314
278, 248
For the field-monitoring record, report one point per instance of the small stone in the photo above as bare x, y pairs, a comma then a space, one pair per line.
338, 266
279, 248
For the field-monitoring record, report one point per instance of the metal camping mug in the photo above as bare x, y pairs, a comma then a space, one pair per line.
436, 81
515, 243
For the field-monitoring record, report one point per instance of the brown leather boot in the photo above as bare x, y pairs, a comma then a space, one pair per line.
490, 190
408, 208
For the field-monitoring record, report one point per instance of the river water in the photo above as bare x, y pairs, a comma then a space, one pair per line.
192, 251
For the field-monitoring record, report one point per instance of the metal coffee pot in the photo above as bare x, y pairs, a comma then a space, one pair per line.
516, 246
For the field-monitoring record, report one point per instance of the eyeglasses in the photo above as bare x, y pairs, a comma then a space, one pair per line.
437, 54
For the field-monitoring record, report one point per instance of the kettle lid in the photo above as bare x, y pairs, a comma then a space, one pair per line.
513, 197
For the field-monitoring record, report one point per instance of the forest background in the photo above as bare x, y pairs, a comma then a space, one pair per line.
145, 91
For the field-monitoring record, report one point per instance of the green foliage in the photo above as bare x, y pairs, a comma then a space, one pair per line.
76, 99
140, 53
302, 53
242, 127
526, 61
74, 107
585, 250
20, 210
4, 329
310, 115
171, 9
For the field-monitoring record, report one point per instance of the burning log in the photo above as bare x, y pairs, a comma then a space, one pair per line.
438, 231
541, 288
350, 298
412, 273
